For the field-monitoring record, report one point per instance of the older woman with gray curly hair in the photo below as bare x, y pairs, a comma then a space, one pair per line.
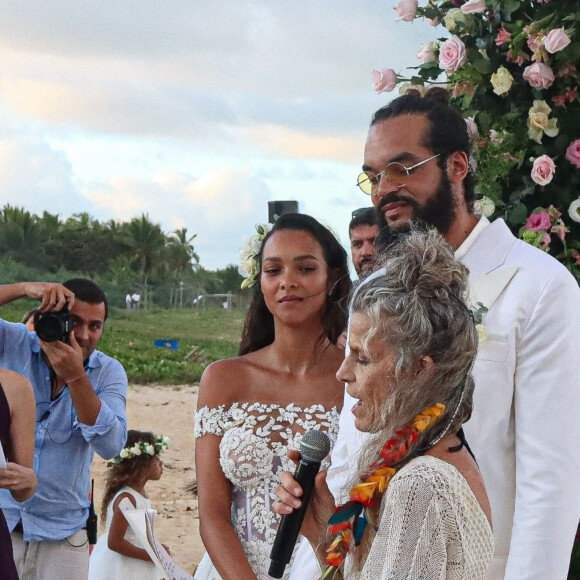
412, 345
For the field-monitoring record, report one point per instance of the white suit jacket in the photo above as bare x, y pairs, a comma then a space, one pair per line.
525, 427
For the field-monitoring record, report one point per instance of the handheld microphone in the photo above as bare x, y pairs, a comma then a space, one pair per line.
314, 447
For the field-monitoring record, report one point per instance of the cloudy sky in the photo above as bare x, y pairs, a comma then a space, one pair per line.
196, 113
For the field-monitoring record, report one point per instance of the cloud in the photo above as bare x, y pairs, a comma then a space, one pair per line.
220, 207
35, 176
195, 113
194, 70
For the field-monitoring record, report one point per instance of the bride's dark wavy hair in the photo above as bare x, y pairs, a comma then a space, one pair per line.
258, 329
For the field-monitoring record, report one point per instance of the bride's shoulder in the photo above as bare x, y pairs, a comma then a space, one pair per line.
224, 381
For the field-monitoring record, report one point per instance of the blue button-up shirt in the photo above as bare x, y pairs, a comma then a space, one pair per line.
64, 447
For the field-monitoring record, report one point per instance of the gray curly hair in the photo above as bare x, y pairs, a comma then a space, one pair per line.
418, 307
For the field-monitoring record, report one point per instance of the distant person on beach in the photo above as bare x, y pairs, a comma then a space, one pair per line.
129, 301
80, 410
255, 408
118, 553
17, 439
135, 300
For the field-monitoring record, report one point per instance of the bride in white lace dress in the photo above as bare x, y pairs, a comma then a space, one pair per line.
254, 408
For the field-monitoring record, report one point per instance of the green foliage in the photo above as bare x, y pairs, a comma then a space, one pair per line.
512, 68
120, 257
128, 337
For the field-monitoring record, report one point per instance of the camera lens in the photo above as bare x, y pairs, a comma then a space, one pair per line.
51, 326
48, 328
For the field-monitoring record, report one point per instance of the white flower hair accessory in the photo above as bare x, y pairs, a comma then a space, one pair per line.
249, 267
141, 448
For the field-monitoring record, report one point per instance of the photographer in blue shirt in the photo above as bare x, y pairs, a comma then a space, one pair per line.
80, 409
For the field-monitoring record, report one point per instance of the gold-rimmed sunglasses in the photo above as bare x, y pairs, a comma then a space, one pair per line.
395, 173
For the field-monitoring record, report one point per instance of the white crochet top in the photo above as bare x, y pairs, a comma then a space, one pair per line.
256, 438
431, 527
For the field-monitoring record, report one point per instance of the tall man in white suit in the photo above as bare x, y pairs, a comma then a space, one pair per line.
525, 430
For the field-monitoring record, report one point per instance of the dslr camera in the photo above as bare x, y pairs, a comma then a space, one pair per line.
52, 326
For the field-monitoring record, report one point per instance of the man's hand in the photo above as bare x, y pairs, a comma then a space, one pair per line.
21, 481
65, 359
52, 296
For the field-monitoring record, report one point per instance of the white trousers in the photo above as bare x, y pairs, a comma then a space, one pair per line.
66, 559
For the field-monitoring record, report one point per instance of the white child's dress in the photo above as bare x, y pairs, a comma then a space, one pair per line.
104, 564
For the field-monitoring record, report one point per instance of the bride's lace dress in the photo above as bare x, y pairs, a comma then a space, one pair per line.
256, 438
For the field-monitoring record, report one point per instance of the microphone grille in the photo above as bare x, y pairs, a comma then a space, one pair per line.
314, 445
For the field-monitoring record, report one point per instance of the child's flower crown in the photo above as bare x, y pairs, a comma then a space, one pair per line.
160, 444
249, 266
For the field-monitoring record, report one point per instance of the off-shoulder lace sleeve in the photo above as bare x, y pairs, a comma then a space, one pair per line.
431, 526
208, 420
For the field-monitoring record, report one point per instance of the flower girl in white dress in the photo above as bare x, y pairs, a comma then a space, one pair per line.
254, 408
118, 553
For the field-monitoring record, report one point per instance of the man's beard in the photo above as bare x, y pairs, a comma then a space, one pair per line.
366, 266
438, 212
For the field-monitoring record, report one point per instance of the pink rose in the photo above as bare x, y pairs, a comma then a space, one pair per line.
473, 7
433, 21
543, 171
573, 153
556, 40
384, 81
406, 10
545, 242
538, 220
452, 54
502, 37
560, 229
519, 59
539, 75
535, 45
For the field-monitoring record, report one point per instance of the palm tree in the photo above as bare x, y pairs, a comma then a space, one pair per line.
181, 260
147, 242
23, 237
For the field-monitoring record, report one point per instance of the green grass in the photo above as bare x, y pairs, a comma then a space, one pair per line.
128, 337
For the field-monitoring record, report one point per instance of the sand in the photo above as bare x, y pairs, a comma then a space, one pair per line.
167, 410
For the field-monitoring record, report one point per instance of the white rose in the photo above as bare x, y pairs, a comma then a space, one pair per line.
574, 210
452, 17
484, 206
409, 86
502, 81
428, 52
149, 449
124, 453
245, 268
136, 450
255, 244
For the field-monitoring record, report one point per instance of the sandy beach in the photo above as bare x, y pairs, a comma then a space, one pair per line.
167, 410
